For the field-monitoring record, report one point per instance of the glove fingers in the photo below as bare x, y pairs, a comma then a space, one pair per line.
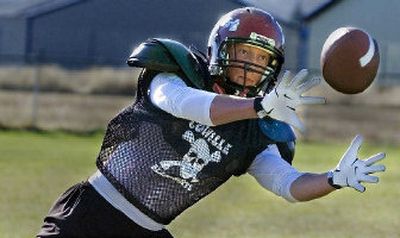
307, 100
369, 179
290, 117
285, 80
295, 121
375, 168
354, 147
299, 78
357, 186
308, 84
373, 159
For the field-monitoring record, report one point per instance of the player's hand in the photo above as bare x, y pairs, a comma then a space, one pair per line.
351, 171
281, 103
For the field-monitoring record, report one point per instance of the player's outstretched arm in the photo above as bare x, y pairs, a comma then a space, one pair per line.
350, 172
171, 94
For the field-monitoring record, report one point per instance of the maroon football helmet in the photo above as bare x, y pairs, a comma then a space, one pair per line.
253, 27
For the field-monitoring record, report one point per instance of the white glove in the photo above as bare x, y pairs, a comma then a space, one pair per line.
351, 171
282, 101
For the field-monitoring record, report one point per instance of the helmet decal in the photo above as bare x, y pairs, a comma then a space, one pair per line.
233, 25
262, 38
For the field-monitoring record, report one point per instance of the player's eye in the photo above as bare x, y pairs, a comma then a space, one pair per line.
263, 58
243, 52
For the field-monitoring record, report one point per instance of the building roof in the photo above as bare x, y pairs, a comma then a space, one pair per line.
13, 8
286, 11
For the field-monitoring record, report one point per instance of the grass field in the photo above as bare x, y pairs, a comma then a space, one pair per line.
36, 167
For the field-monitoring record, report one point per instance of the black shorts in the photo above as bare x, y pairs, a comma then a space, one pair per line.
82, 212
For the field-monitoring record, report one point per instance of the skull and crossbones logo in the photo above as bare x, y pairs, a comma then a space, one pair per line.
192, 162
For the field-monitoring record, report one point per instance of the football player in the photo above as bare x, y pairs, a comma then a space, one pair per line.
196, 122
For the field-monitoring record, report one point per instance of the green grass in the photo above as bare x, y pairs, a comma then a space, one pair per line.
36, 167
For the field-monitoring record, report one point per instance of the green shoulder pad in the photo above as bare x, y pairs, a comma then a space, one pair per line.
169, 56
152, 55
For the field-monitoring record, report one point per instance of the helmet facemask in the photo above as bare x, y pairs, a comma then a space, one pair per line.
252, 27
228, 60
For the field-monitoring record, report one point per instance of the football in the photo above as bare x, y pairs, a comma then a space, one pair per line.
349, 60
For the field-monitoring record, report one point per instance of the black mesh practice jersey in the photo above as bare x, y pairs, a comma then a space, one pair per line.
163, 164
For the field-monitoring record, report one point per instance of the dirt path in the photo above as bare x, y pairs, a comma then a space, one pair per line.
333, 121
82, 112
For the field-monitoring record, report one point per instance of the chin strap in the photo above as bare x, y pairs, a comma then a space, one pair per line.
218, 89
